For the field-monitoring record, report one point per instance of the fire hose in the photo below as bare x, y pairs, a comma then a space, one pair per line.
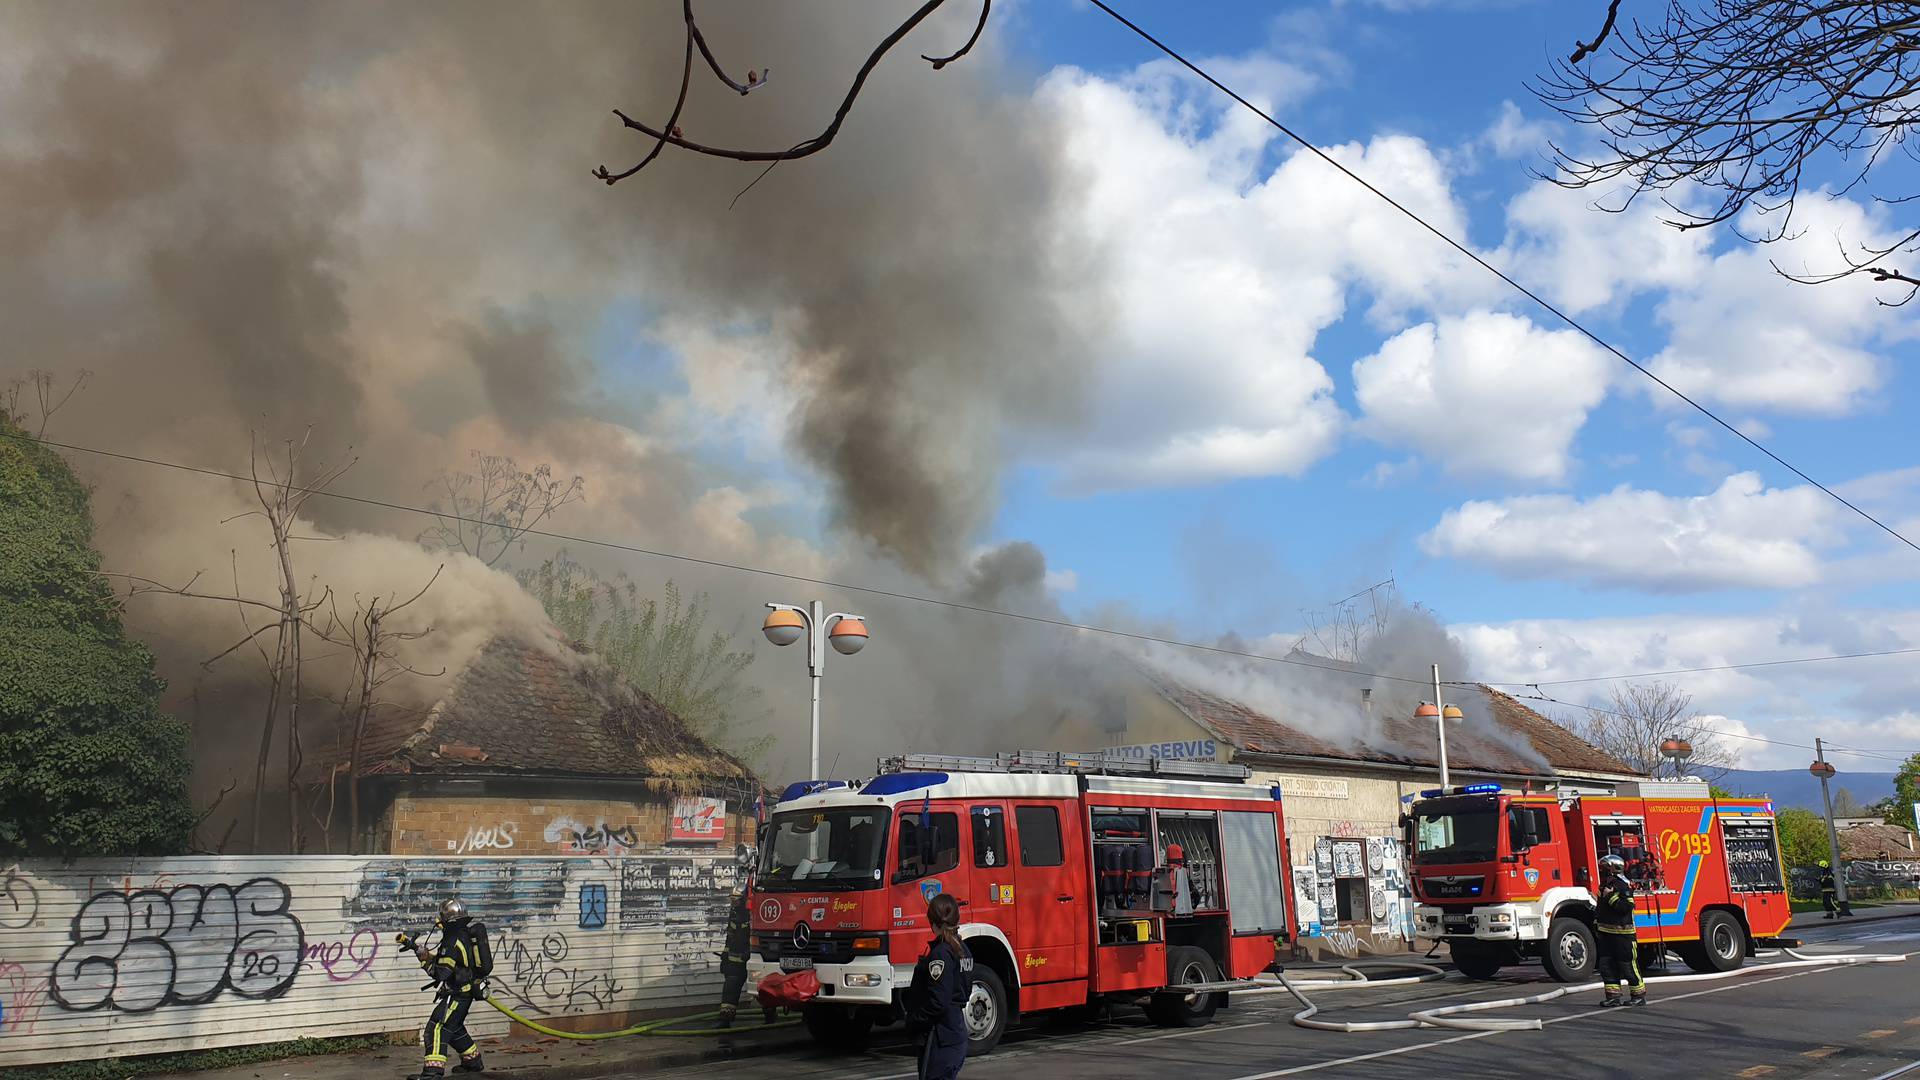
1450, 1016
655, 1028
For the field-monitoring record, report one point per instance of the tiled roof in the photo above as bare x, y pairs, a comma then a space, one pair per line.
1500, 747
547, 710
1866, 842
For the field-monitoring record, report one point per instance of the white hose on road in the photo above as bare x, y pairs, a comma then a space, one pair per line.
1450, 1016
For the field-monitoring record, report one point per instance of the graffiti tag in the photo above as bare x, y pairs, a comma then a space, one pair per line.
19, 901
498, 838
134, 952
601, 839
344, 961
20, 999
542, 980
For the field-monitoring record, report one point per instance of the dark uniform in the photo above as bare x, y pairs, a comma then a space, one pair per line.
460, 968
936, 1003
1828, 891
1618, 943
733, 959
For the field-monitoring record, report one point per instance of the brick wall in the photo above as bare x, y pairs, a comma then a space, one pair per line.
522, 825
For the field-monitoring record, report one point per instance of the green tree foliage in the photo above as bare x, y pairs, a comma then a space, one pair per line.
659, 645
88, 763
1803, 836
1906, 791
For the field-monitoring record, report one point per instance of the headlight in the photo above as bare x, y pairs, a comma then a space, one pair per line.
861, 980
1500, 918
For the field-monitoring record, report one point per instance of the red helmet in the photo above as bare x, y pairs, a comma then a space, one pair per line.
1176, 854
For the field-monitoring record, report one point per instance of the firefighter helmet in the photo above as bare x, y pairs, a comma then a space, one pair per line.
452, 910
1176, 854
1613, 864
1823, 864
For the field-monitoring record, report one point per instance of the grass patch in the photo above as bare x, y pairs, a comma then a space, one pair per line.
1815, 905
194, 1060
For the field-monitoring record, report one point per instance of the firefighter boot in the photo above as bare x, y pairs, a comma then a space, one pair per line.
1638, 999
470, 1064
428, 1072
1611, 999
726, 1015
768, 1015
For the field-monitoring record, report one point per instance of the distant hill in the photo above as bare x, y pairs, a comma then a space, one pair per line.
1797, 787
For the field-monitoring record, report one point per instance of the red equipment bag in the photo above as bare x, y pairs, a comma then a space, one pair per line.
788, 990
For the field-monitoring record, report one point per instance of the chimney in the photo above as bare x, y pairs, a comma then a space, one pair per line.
1366, 703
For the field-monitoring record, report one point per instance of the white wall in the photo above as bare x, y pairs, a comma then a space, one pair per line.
104, 958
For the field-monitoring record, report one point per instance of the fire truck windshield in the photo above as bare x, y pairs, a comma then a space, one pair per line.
1457, 832
832, 848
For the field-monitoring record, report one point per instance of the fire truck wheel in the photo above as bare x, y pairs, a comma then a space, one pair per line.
986, 1011
1722, 946
837, 1028
1569, 955
1475, 961
1186, 965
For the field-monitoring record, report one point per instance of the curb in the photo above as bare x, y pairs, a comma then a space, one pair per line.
1857, 919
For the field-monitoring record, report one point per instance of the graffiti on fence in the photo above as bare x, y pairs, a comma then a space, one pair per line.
540, 978
344, 961
394, 894
593, 907
134, 952
19, 901
691, 952
21, 997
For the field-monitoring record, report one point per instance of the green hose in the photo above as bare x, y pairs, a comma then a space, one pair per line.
657, 1028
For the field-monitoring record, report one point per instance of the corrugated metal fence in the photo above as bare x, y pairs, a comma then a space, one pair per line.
103, 958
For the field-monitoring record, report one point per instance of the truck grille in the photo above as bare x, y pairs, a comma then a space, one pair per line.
824, 947
1460, 887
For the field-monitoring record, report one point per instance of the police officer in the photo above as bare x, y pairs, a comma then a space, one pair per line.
1619, 946
459, 970
936, 1001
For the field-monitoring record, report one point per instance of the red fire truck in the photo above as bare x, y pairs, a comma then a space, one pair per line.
1061, 865
1507, 876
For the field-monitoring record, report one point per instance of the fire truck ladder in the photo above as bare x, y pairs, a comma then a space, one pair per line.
1053, 761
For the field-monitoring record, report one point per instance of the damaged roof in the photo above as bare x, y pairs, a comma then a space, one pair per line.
547, 710
1865, 842
1401, 740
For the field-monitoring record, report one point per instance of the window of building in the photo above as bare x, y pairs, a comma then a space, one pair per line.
1039, 835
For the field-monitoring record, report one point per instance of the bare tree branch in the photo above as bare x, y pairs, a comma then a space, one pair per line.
669, 134
1582, 50
986, 7
489, 511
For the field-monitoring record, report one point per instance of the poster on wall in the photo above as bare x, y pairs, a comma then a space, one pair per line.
1306, 900
698, 820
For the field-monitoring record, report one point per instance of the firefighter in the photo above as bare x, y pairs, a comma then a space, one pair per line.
733, 960
459, 970
1619, 948
936, 1001
1829, 893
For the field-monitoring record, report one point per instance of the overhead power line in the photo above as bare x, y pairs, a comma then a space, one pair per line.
1494, 270
1700, 670
1830, 748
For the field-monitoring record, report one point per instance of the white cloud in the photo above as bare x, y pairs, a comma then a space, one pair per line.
1216, 277
1584, 259
1858, 703
1061, 581
1514, 136
1484, 392
1741, 535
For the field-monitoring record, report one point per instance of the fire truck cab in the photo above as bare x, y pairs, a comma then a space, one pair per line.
1503, 876
1060, 865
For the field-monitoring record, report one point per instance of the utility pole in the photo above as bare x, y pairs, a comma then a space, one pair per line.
1441, 723
1823, 770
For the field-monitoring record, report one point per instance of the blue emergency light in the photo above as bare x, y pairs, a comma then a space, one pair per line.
1433, 793
1480, 789
809, 787
896, 783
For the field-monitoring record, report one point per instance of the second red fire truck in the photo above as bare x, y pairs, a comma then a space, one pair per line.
1507, 876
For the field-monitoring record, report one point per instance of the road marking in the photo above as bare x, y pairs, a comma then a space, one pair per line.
1198, 1031
1901, 1071
1913, 1022
1334, 1062
1757, 1070
1880, 1033
1822, 1052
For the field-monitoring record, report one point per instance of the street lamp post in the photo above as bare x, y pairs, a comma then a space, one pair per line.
1825, 772
1677, 750
1440, 713
787, 623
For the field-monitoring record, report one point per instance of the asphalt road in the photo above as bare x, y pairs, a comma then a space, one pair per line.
1859, 1021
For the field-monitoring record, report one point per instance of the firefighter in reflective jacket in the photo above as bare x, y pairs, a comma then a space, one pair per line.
733, 960
936, 1001
1619, 948
1828, 892
459, 970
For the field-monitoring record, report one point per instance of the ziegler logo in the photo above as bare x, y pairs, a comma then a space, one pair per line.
1036, 961
846, 905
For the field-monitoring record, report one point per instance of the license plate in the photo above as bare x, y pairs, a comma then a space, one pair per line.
795, 963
